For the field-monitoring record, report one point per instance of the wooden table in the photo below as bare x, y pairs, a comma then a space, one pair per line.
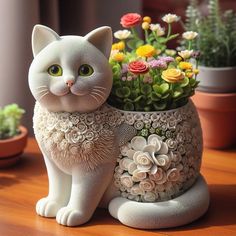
22, 185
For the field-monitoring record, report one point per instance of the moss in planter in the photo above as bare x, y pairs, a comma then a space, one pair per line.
10, 117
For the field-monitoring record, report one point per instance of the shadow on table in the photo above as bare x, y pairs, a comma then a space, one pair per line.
222, 212
28, 165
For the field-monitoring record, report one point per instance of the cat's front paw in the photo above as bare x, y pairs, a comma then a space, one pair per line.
47, 208
69, 216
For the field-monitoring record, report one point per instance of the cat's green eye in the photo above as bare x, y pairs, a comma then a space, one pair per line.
55, 70
85, 70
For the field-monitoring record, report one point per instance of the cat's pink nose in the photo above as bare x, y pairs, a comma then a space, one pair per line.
70, 83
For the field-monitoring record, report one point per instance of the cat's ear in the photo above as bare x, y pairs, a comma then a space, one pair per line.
41, 37
101, 38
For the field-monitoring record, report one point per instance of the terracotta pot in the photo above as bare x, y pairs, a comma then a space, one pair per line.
10, 149
217, 80
217, 113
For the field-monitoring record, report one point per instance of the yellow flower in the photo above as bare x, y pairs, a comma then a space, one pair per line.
145, 25
119, 57
189, 74
185, 65
118, 46
147, 19
172, 75
196, 71
178, 59
146, 51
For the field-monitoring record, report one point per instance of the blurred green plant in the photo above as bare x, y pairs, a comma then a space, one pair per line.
10, 117
217, 34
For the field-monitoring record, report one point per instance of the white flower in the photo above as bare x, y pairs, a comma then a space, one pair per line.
74, 136
162, 160
190, 35
143, 160
138, 175
73, 149
138, 125
136, 190
131, 168
159, 177
158, 29
185, 54
124, 163
149, 197
170, 18
147, 185
82, 127
122, 34
126, 180
173, 174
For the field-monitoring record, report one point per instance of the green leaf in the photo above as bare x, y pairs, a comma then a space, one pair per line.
178, 92
133, 42
185, 82
164, 87
138, 98
146, 89
154, 97
160, 106
139, 43
147, 108
157, 89
123, 92
192, 82
149, 101
165, 96
128, 106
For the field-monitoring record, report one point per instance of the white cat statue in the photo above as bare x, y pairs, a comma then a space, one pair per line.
80, 135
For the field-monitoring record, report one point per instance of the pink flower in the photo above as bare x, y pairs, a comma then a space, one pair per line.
166, 59
130, 20
158, 64
138, 67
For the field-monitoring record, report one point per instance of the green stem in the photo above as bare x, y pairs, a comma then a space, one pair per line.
169, 31
134, 32
189, 44
124, 50
146, 37
155, 35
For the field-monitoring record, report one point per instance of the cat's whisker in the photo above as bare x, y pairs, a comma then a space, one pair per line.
99, 87
43, 86
43, 96
99, 91
98, 95
94, 97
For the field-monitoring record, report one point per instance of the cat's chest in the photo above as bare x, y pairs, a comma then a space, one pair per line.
71, 138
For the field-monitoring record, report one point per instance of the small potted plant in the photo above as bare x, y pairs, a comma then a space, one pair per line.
216, 95
13, 136
152, 85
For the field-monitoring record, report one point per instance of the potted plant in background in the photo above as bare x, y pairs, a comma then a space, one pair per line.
151, 89
13, 136
215, 98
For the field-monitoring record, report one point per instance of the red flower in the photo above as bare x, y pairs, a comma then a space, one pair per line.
138, 67
130, 20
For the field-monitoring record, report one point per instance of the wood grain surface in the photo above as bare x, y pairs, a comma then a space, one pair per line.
22, 185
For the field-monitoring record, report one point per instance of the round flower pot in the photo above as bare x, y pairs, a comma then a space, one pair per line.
217, 80
10, 149
217, 113
162, 162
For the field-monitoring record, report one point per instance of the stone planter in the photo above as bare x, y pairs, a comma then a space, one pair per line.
217, 112
10, 149
162, 162
217, 80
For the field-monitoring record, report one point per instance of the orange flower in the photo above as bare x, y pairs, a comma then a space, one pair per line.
185, 65
146, 51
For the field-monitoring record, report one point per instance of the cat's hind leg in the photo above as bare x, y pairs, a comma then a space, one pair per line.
59, 191
87, 190
182, 210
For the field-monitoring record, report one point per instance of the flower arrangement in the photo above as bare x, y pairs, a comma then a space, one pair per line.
147, 75
10, 117
217, 34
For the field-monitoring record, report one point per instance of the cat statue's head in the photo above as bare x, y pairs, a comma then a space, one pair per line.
70, 73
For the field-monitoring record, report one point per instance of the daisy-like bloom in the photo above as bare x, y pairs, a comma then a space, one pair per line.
119, 57
146, 51
170, 18
122, 34
185, 65
158, 29
118, 46
185, 54
189, 35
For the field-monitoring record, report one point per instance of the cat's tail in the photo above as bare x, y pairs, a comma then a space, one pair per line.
179, 211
